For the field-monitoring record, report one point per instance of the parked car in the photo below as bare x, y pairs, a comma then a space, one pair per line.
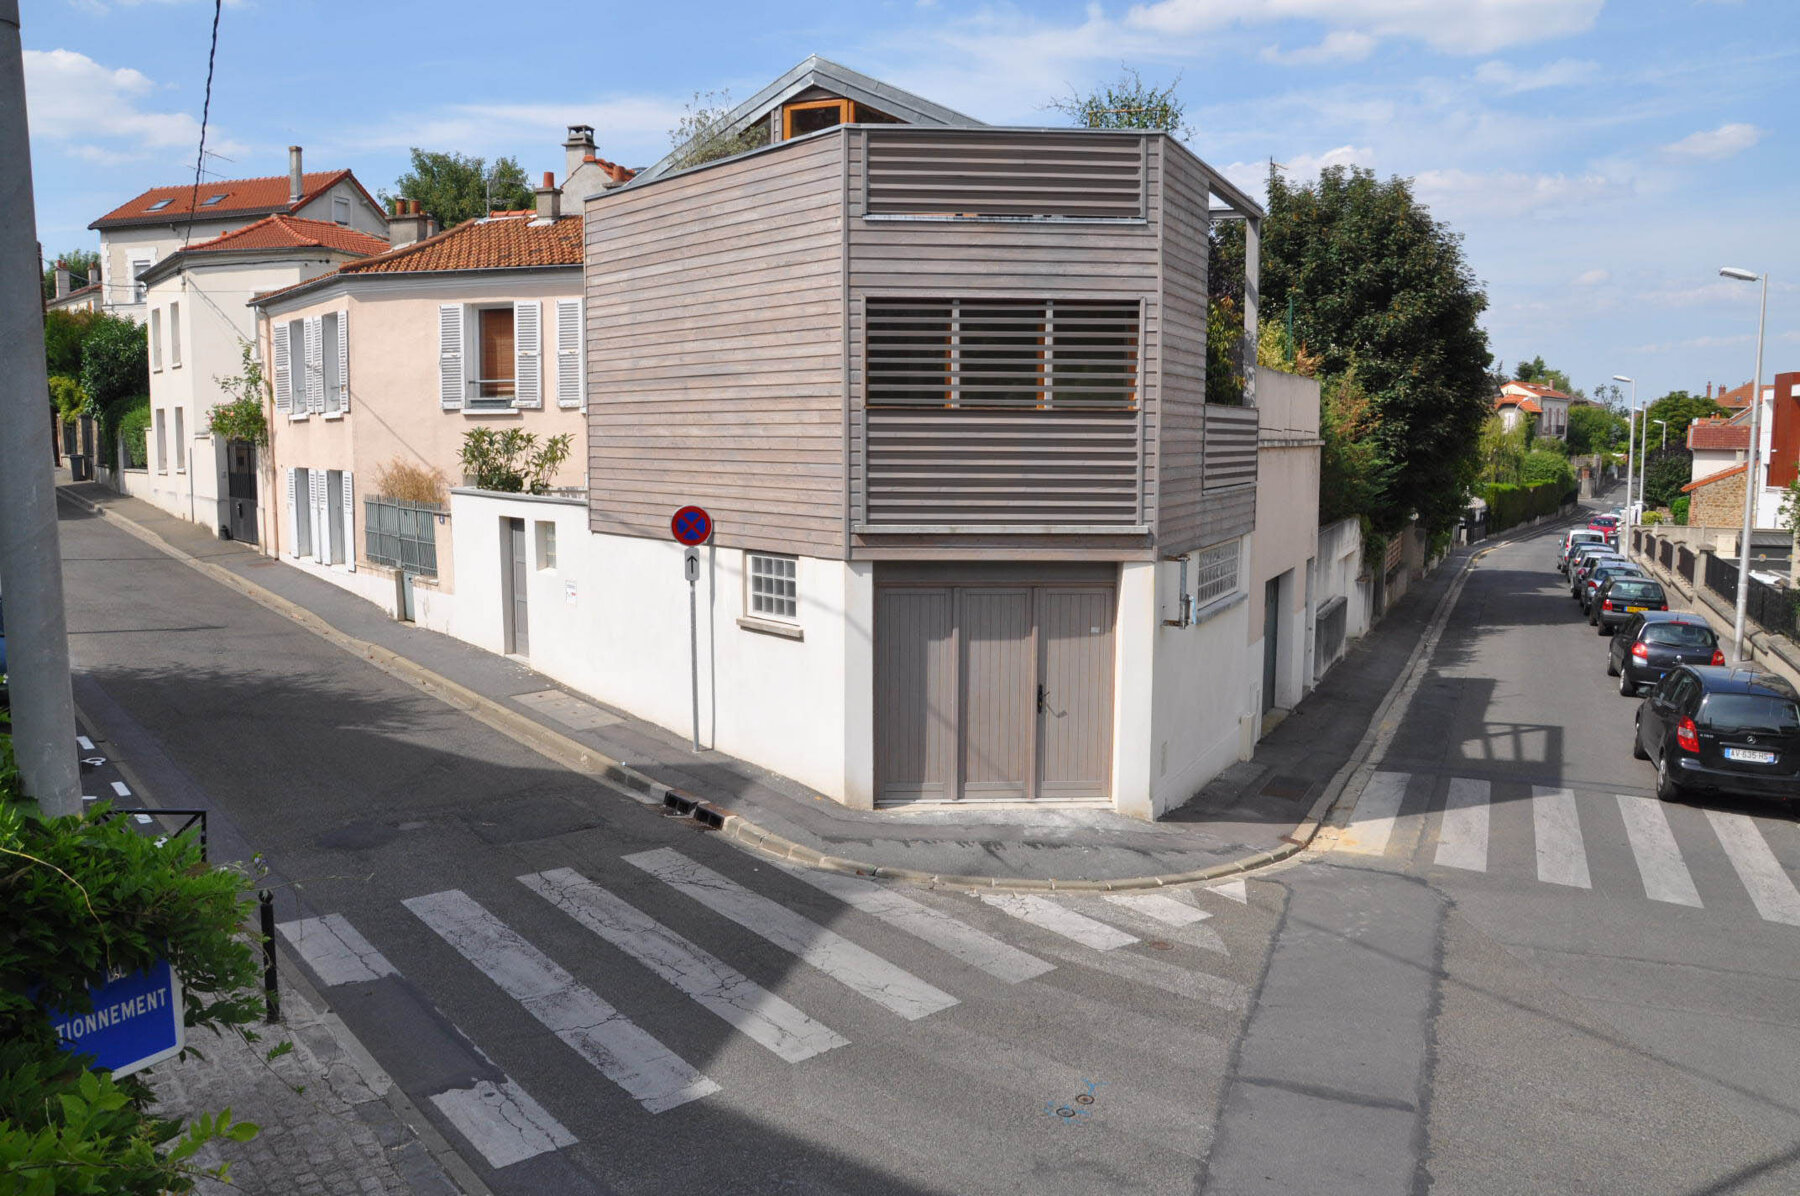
1586, 564
1607, 526
1599, 576
1570, 540
1721, 730
1646, 646
1622, 596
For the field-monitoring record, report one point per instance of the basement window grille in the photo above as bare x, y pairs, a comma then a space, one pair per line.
774, 587
1218, 573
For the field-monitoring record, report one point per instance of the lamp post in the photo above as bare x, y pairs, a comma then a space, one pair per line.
1630, 444
1751, 476
1665, 428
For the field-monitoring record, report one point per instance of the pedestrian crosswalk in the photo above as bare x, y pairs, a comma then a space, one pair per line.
972, 945
1398, 813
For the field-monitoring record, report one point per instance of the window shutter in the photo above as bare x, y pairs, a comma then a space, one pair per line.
349, 521
450, 356
284, 384
293, 479
528, 354
343, 361
568, 353
321, 551
315, 364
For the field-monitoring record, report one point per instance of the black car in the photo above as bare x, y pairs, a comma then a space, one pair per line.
1646, 646
1622, 595
1723, 731
1598, 576
1581, 552
1584, 565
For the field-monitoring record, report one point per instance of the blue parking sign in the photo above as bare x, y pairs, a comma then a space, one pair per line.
136, 1020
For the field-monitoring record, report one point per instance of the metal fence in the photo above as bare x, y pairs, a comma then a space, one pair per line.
1769, 607
402, 535
1684, 562
1665, 553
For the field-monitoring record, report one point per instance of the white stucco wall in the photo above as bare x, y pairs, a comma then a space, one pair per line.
1285, 543
611, 620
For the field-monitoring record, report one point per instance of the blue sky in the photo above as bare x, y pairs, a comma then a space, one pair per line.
1602, 158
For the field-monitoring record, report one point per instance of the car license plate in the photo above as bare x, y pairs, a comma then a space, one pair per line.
1749, 756
1633, 610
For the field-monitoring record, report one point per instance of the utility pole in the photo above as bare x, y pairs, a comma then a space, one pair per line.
37, 642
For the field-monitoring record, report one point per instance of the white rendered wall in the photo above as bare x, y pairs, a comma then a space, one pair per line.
1200, 678
611, 619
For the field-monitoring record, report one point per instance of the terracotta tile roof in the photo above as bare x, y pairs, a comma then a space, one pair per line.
1542, 392
294, 232
243, 197
1528, 406
501, 242
1738, 396
1717, 433
1710, 478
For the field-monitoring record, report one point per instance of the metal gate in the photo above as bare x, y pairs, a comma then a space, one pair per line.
994, 692
240, 491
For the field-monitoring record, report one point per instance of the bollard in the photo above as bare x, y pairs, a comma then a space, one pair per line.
271, 991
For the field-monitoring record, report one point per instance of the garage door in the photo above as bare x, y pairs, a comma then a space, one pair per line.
993, 692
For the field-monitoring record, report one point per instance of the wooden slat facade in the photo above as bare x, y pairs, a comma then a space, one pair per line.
1230, 452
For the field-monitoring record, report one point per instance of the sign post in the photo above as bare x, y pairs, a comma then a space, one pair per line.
692, 527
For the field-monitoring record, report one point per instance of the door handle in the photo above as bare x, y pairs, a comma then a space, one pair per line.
1041, 694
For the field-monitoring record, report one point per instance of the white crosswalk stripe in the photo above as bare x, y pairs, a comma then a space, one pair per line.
1161, 907
837, 957
621, 1051
1372, 822
336, 950
974, 947
762, 1016
1561, 856
502, 1121
1659, 860
1463, 833
1057, 919
1770, 888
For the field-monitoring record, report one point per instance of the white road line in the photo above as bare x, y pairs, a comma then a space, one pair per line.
1770, 888
1561, 857
336, 950
1161, 907
1658, 858
1233, 889
836, 956
1156, 973
1057, 919
623, 1053
974, 947
1372, 822
502, 1122
762, 1016
121, 788
87, 745
1463, 831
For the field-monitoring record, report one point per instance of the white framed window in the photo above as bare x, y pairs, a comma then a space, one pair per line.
494, 384
1217, 574
174, 336
340, 209
162, 443
180, 440
546, 545
138, 287
294, 333
155, 339
773, 587
329, 364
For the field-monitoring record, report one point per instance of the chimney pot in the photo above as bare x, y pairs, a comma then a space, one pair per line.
62, 279
549, 178
296, 176
549, 198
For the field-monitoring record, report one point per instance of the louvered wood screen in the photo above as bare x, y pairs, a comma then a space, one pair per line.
1047, 175
1229, 457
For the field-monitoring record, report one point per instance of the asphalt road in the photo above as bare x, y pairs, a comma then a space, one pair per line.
585, 997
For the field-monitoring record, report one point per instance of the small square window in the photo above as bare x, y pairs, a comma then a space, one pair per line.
159, 205
774, 587
213, 200
546, 545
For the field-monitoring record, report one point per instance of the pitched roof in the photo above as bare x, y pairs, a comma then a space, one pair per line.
1532, 388
1717, 433
1527, 405
1710, 478
294, 232
1737, 396
503, 241
241, 197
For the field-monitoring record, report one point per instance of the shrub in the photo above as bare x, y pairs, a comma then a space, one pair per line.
511, 461
134, 432
243, 417
412, 483
115, 361
67, 397
1678, 510
1509, 504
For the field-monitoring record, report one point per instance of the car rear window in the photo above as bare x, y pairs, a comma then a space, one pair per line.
1749, 712
1634, 590
1680, 635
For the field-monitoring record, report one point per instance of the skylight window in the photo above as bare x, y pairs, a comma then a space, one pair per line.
159, 205
210, 200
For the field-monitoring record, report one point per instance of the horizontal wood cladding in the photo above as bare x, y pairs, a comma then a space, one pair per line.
976, 172
1230, 512
1230, 446
1184, 225
715, 351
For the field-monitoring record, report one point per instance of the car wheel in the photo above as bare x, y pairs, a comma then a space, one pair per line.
1602, 627
1627, 687
1637, 742
1666, 787
1612, 670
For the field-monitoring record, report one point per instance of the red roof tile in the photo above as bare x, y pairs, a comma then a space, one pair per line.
1528, 406
295, 232
502, 242
1737, 396
1542, 392
1710, 478
1715, 433
243, 197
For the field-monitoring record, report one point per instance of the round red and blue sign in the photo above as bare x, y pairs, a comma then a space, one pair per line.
691, 526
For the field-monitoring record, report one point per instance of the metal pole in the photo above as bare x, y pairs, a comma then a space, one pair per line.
271, 986
1750, 486
37, 649
693, 575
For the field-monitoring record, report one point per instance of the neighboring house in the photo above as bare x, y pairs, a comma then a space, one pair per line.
138, 234
390, 361
978, 534
584, 174
1720, 445
1717, 442
198, 329
1551, 406
83, 298
1514, 409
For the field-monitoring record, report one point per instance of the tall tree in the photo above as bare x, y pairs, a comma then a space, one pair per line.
1379, 285
84, 267
1535, 371
1681, 409
455, 188
115, 361
1594, 430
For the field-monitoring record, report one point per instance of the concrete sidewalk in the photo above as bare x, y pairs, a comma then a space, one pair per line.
1257, 811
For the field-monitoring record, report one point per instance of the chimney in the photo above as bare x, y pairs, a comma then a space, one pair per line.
296, 176
577, 146
549, 198
62, 280
409, 224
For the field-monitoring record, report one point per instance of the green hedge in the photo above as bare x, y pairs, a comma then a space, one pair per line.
129, 421
1509, 504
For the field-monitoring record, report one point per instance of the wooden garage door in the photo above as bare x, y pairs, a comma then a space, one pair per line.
915, 686
1075, 642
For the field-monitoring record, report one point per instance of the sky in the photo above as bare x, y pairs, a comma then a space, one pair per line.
1600, 158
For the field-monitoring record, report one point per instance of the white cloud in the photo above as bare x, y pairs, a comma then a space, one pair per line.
1509, 79
1340, 45
1721, 142
1591, 278
1461, 194
1453, 26
630, 130
100, 112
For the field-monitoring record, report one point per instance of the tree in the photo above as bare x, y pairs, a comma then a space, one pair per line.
1539, 374
704, 134
1594, 430
1501, 450
64, 332
1666, 471
84, 267
1352, 474
1127, 103
1378, 284
455, 188
1545, 465
115, 361
1681, 409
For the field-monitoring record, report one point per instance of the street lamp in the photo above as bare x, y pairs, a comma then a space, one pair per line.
1630, 443
1750, 473
1665, 428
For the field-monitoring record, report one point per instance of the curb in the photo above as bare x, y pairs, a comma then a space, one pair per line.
622, 778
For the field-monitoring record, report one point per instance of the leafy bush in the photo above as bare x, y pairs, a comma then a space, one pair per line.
511, 461
115, 361
243, 417
703, 133
1543, 465
1678, 510
67, 397
1509, 504
134, 432
1224, 353
64, 332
